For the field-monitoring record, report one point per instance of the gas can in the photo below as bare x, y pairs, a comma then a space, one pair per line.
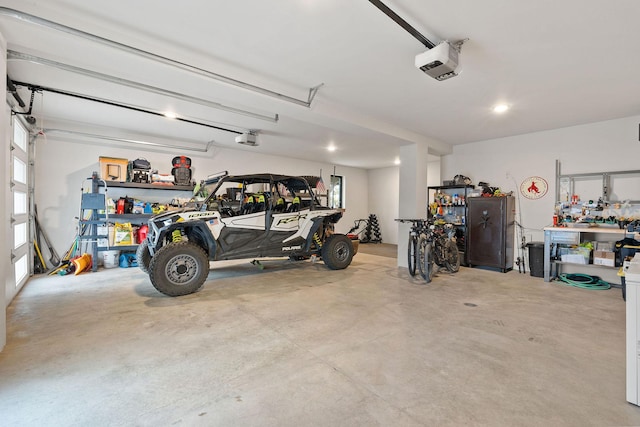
120, 206
142, 233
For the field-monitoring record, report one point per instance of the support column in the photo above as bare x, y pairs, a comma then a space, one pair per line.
412, 192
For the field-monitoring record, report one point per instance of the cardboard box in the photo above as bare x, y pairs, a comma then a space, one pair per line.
113, 169
604, 246
607, 258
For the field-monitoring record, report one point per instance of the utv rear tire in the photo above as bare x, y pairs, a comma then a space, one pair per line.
143, 256
179, 269
337, 252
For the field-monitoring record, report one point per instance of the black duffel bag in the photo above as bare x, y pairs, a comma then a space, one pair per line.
141, 164
626, 247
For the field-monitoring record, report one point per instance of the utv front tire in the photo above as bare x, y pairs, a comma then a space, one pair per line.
143, 256
179, 269
337, 252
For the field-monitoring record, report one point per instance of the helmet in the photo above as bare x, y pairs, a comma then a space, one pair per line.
461, 180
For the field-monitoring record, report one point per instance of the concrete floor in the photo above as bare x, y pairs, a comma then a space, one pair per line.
298, 345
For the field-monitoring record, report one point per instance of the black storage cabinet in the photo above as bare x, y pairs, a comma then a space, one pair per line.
491, 225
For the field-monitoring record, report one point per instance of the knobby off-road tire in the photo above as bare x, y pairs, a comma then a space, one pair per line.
451, 256
143, 256
179, 269
412, 254
337, 252
425, 259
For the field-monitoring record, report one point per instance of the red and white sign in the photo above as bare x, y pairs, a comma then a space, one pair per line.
534, 187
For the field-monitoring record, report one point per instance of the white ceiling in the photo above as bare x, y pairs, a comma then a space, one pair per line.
557, 63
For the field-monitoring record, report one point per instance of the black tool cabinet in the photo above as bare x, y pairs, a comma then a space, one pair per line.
491, 226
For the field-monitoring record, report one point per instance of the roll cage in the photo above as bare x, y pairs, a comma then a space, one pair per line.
236, 190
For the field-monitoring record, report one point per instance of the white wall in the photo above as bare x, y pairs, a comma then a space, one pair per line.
597, 147
433, 173
62, 168
383, 201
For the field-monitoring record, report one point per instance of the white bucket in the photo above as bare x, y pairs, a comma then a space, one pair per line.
110, 259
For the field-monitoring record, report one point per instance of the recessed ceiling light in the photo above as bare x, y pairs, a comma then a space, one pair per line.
500, 108
331, 148
396, 161
170, 115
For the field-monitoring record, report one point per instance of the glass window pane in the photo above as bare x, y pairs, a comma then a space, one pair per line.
19, 203
19, 235
19, 171
19, 135
20, 270
336, 200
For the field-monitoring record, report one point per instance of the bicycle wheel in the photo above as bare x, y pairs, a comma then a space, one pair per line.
412, 252
451, 256
425, 259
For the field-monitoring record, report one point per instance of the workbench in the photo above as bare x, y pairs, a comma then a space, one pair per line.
574, 236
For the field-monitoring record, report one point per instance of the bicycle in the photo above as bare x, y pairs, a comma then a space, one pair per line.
419, 249
431, 244
445, 248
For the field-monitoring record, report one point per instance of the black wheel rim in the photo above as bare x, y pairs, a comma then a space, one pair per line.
341, 252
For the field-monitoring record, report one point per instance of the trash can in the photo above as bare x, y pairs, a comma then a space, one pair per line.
536, 258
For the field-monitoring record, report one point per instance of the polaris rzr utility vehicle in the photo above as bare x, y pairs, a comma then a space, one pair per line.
236, 217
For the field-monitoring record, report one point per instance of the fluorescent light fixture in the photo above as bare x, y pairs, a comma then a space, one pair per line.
201, 148
500, 108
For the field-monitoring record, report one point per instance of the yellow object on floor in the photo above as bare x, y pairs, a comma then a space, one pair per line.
82, 263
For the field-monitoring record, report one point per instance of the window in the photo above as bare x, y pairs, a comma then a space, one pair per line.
21, 269
19, 171
336, 198
19, 235
19, 135
19, 203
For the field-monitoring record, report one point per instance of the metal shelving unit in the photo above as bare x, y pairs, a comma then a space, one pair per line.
460, 210
95, 201
565, 183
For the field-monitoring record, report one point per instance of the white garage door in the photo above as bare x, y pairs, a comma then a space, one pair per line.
20, 249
